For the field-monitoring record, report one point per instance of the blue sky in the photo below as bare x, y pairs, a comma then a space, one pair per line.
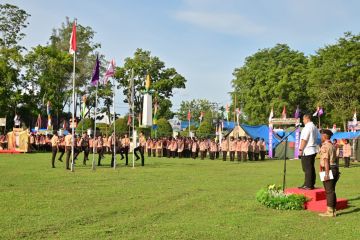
203, 39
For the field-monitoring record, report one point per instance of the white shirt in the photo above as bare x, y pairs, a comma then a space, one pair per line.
309, 134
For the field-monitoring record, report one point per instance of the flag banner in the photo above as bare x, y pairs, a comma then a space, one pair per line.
271, 114
83, 107
129, 120
270, 142
355, 118
227, 112
321, 112
48, 111
155, 113
238, 113
297, 143
283, 114
96, 72
317, 111
201, 116
72, 48
297, 112
38, 121
189, 116
109, 72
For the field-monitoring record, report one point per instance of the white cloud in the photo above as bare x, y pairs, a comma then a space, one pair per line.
222, 22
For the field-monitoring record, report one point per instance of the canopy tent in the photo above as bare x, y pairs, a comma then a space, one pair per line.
260, 131
346, 135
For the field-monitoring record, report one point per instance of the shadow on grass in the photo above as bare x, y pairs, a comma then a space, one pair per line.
355, 210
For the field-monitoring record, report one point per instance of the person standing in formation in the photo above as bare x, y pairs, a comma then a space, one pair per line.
250, 149
112, 142
244, 149
238, 149
54, 147
148, 147
84, 143
256, 149
262, 147
194, 148
213, 149
232, 148
159, 148
347, 153
99, 148
224, 148
180, 150
202, 147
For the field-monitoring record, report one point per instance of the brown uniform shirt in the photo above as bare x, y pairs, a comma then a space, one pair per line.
327, 153
224, 146
54, 141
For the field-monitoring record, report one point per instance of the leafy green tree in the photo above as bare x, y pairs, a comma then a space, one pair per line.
84, 125
205, 130
12, 22
196, 106
121, 127
164, 129
335, 78
163, 80
271, 77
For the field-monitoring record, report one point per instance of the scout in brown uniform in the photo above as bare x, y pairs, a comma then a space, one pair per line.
68, 140
250, 149
224, 148
180, 149
202, 146
159, 146
256, 149
125, 143
99, 148
173, 148
141, 148
54, 147
327, 163
112, 144
244, 149
61, 147
262, 148
168, 147
213, 149
148, 147
164, 150
238, 149
84, 144
194, 148
232, 148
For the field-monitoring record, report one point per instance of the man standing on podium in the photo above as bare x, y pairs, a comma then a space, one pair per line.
307, 151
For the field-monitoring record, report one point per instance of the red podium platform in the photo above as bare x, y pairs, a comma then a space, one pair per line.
9, 151
317, 202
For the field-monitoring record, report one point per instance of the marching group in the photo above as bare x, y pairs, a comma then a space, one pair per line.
240, 149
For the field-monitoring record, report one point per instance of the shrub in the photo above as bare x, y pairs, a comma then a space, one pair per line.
274, 197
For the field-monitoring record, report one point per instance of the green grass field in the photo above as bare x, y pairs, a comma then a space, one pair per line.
166, 199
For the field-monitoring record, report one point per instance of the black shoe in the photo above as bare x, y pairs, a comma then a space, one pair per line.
307, 188
60, 160
53, 166
137, 159
301, 187
68, 169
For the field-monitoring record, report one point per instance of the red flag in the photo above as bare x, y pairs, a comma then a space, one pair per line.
283, 114
189, 115
72, 49
129, 120
38, 121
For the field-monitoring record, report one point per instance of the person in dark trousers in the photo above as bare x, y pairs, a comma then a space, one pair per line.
54, 148
125, 143
327, 164
140, 149
68, 140
307, 151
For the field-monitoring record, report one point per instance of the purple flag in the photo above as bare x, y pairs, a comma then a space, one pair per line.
96, 72
297, 112
321, 112
270, 148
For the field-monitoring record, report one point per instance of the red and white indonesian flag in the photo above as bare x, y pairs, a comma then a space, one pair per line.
283, 114
72, 49
189, 116
110, 71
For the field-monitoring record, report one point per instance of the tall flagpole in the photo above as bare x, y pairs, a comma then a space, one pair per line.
73, 118
133, 115
96, 97
114, 135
